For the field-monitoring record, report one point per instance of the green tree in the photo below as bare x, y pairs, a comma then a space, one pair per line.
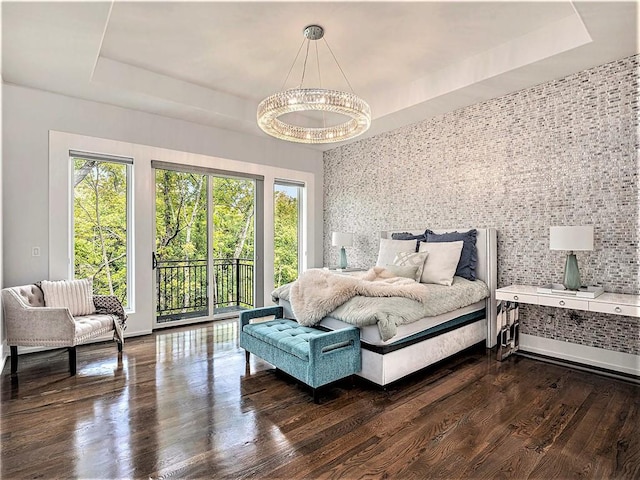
285, 237
100, 225
233, 218
181, 204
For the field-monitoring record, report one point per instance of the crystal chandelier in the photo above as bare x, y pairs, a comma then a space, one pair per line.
299, 99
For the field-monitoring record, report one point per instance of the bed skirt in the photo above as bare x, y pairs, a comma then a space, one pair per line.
383, 369
384, 364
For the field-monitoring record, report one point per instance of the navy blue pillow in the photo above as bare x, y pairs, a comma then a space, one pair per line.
468, 257
410, 236
407, 236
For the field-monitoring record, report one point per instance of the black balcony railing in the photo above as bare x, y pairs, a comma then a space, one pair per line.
182, 286
233, 282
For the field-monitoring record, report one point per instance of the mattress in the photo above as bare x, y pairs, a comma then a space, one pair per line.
370, 334
410, 333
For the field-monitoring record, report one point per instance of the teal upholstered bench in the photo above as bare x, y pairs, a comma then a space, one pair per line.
313, 356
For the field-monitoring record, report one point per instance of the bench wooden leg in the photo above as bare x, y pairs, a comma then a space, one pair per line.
316, 397
72, 360
14, 360
246, 356
119, 347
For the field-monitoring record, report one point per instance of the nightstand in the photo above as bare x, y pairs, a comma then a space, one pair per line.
510, 297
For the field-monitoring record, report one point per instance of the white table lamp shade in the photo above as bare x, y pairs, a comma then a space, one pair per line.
571, 238
339, 239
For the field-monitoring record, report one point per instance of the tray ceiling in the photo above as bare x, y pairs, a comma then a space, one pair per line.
212, 62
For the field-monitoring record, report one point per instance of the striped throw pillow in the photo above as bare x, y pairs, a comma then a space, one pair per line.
76, 295
408, 259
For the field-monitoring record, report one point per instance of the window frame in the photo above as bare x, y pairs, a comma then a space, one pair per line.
54, 264
129, 172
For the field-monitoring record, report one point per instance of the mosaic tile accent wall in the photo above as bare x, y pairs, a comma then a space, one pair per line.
620, 334
563, 152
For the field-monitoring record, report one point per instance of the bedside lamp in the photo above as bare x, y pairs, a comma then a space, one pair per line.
571, 239
342, 240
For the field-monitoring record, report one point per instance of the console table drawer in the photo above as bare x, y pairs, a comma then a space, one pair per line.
615, 309
516, 297
564, 303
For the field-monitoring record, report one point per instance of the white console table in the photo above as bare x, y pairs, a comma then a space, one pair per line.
614, 303
611, 303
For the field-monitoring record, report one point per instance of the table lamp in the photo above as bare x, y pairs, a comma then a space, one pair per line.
342, 240
571, 239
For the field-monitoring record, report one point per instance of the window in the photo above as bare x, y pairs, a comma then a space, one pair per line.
287, 217
101, 219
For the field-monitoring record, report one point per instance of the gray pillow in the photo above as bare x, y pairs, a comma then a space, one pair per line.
468, 258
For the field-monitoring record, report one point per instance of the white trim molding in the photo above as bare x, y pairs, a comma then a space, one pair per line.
597, 357
143, 235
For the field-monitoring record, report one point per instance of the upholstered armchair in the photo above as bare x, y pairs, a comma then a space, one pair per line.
30, 323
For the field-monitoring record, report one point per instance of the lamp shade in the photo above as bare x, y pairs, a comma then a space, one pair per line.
571, 238
339, 239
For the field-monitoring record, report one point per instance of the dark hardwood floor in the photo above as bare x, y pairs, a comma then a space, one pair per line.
180, 403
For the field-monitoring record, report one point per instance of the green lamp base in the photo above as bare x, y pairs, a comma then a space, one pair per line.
343, 258
571, 273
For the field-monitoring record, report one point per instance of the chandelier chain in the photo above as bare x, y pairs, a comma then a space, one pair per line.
324, 117
304, 66
292, 65
318, 65
338, 63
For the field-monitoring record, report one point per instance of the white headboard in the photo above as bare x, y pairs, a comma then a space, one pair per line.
486, 269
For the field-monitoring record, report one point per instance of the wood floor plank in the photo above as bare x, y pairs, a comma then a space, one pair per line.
182, 403
627, 453
401, 415
593, 447
483, 435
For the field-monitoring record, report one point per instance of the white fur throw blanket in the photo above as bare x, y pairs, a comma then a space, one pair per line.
374, 297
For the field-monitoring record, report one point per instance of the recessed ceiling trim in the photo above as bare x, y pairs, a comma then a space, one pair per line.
191, 61
553, 39
135, 79
104, 32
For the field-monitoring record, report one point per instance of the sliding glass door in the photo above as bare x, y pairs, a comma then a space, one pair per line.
205, 256
233, 217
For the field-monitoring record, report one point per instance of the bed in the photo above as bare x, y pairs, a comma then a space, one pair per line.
431, 339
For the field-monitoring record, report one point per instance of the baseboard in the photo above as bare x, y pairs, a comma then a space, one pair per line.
3, 355
582, 354
138, 333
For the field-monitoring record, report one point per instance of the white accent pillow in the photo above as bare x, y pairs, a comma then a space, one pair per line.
389, 248
441, 263
402, 271
416, 260
76, 295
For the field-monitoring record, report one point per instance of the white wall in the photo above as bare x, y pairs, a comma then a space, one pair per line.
29, 117
2, 353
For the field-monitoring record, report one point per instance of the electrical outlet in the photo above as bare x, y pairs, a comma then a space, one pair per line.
35, 252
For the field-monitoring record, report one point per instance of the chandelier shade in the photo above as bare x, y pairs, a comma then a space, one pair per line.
299, 100
313, 99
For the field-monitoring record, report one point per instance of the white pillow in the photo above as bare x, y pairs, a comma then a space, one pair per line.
416, 260
76, 295
389, 248
441, 263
